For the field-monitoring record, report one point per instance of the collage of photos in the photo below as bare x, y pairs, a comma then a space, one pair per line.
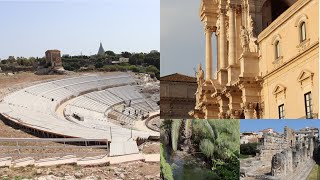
86, 94
248, 65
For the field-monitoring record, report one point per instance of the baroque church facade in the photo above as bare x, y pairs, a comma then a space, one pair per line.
267, 60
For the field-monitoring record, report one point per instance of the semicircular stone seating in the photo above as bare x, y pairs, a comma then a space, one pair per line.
94, 97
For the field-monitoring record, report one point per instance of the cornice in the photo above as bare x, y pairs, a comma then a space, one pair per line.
282, 18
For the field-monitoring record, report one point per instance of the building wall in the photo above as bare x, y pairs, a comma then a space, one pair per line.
296, 58
177, 99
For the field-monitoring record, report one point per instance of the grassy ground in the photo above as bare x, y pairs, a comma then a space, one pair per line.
315, 173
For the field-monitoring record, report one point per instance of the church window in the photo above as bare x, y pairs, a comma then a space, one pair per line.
303, 34
277, 49
281, 111
308, 105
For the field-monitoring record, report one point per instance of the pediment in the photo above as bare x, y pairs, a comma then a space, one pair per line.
305, 74
278, 89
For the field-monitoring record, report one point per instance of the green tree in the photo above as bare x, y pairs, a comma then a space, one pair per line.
110, 53
219, 141
98, 65
4, 62
126, 54
249, 148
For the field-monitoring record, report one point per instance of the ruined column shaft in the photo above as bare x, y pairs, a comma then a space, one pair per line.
208, 32
222, 42
232, 35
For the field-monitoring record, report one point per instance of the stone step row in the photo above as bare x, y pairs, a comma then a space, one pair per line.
71, 159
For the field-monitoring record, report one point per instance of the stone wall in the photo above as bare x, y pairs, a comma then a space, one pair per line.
292, 159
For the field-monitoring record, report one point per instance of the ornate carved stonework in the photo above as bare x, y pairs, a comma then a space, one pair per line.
234, 114
244, 39
246, 61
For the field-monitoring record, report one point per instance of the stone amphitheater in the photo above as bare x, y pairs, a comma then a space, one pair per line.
120, 110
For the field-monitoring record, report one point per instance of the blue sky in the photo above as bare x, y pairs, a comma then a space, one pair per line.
30, 27
182, 37
277, 125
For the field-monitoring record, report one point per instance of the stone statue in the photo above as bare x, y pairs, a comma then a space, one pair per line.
253, 46
200, 81
200, 75
244, 39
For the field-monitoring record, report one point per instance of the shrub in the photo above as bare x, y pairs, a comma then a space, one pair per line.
164, 166
248, 149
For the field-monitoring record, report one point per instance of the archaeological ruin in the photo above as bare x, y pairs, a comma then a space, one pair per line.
282, 156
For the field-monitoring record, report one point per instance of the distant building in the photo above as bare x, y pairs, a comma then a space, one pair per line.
123, 60
154, 51
249, 137
267, 131
101, 51
54, 58
305, 133
115, 62
177, 95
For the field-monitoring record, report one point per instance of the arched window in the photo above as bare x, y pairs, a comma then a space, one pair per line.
303, 34
277, 49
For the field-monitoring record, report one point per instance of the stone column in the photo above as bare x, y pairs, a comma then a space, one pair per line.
232, 35
208, 32
222, 41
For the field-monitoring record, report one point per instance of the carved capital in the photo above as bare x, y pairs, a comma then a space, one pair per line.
238, 9
209, 29
249, 105
223, 115
222, 12
234, 114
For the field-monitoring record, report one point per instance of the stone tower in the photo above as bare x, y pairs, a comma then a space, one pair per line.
54, 58
101, 50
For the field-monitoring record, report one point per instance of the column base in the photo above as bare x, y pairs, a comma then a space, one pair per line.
211, 112
233, 73
249, 64
222, 76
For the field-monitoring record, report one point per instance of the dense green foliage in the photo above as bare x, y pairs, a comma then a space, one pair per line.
249, 148
166, 171
140, 62
219, 142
